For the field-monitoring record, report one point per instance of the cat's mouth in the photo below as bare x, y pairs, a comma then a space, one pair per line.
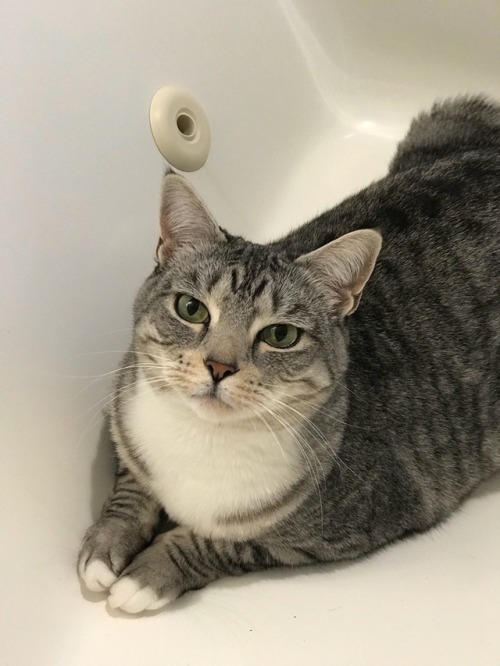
210, 402
216, 404
211, 408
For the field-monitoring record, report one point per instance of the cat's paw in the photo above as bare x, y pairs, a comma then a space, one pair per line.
107, 549
96, 575
129, 595
150, 582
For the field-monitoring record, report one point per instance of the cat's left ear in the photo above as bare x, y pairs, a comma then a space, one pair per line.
344, 266
184, 219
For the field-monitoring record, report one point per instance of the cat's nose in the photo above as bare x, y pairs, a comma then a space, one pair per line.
219, 371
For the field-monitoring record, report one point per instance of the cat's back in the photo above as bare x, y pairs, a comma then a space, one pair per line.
438, 275
452, 127
443, 184
425, 341
426, 336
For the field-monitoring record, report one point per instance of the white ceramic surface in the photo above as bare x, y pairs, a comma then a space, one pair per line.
305, 99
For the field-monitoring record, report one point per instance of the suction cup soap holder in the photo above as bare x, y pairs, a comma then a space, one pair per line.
180, 128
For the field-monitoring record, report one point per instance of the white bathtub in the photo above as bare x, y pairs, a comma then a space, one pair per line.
306, 99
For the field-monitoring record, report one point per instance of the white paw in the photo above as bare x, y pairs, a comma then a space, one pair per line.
127, 595
97, 576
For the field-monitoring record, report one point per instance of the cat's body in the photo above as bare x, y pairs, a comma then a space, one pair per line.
366, 428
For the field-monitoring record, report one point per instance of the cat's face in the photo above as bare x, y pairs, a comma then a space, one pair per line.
236, 331
232, 329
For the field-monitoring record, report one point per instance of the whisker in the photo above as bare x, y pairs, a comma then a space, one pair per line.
98, 378
113, 394
139, 366
318, 435
301, 442
122, 351
261, 417
103, 403
305, 418
302, 400
101, 375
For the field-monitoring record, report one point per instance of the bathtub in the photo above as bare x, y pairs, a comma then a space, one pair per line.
306, 100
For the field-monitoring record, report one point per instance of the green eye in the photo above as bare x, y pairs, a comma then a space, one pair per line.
191, 309
280, 335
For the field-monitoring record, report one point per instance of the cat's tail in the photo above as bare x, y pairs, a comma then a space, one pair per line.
450, 127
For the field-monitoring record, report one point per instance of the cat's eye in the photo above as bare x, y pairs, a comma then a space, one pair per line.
191, 309
280, 335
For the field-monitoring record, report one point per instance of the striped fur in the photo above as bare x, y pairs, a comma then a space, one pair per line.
384, 420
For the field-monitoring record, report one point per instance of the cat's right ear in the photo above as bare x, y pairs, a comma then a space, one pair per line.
184, 219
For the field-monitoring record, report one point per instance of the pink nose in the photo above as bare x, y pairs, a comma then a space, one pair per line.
219, 370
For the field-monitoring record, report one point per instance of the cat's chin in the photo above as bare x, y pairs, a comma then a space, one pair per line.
212, 409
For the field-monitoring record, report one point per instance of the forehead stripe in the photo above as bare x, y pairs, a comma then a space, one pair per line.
260, 288
234, 280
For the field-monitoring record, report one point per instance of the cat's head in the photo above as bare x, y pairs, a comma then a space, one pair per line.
236, 330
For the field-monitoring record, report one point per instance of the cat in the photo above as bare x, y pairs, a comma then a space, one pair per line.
318, 397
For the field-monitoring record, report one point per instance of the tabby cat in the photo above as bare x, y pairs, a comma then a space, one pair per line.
278, 419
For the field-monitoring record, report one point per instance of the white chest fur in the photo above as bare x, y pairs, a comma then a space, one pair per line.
203, 472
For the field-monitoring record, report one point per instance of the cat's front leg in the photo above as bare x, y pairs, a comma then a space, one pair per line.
178, 561
126, 526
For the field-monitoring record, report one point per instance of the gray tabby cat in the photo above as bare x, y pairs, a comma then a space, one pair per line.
278, 423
